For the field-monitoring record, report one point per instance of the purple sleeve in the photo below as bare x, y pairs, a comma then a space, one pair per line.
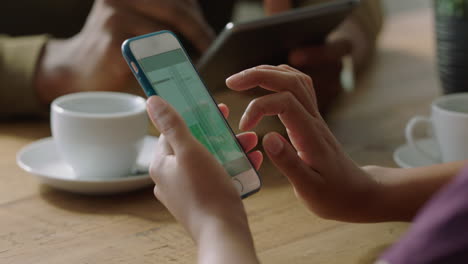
439, 233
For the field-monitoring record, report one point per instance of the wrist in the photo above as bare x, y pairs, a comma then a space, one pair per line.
381, 200
226, 240
222, 221
396, 197
405, 191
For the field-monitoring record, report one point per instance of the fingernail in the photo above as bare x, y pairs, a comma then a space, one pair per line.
231, 80
235, 79
273, 144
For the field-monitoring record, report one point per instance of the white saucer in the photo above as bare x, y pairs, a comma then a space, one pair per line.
407, 157
41, 159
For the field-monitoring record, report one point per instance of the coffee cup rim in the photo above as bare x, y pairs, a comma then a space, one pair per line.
140, 106
436, 104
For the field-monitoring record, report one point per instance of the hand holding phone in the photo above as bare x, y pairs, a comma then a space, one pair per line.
196, 189
163, 68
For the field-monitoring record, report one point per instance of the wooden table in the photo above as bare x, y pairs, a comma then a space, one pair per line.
42, 225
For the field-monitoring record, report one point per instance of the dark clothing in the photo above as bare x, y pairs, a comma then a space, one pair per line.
439, 233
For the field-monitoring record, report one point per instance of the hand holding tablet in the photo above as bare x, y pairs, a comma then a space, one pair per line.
269, 40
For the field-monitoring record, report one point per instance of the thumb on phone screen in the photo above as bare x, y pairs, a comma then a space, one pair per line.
276, 6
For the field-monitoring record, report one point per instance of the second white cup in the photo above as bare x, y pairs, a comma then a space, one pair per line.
449, 124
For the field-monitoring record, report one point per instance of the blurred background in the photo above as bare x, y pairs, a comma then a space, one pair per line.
393, 6
252, 9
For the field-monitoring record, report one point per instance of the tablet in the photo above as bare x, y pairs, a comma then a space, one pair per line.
268, 40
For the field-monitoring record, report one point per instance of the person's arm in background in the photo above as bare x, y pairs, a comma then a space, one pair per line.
357, 37
92, 59
36, 70
198, 192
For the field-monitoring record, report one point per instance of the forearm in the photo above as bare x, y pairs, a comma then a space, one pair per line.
404, 191
226, 242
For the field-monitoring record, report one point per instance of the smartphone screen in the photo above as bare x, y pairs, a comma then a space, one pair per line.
173, 77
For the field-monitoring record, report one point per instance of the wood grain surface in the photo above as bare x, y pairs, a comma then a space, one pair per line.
41, 225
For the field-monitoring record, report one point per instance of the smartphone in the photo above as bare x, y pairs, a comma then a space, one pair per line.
163, 68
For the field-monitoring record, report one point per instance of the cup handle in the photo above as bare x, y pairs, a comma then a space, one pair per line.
409, 133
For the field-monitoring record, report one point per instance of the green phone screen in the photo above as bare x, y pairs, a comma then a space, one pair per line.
173, 78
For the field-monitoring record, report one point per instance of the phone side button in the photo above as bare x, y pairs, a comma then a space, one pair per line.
238, 185
135, 68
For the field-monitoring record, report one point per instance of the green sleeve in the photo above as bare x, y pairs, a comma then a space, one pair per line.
18, 60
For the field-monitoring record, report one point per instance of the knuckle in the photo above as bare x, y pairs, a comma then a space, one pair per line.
155, 169
169, 127
255, 101
256, 108
263, 66
257, 70
307, 80
252, 72
288, 102
158, 193
257, 105
169, 121
259, 77
193, 150
289, 98
252, 75
299, 81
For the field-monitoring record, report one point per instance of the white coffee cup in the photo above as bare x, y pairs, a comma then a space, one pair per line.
449, 125
99, 134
